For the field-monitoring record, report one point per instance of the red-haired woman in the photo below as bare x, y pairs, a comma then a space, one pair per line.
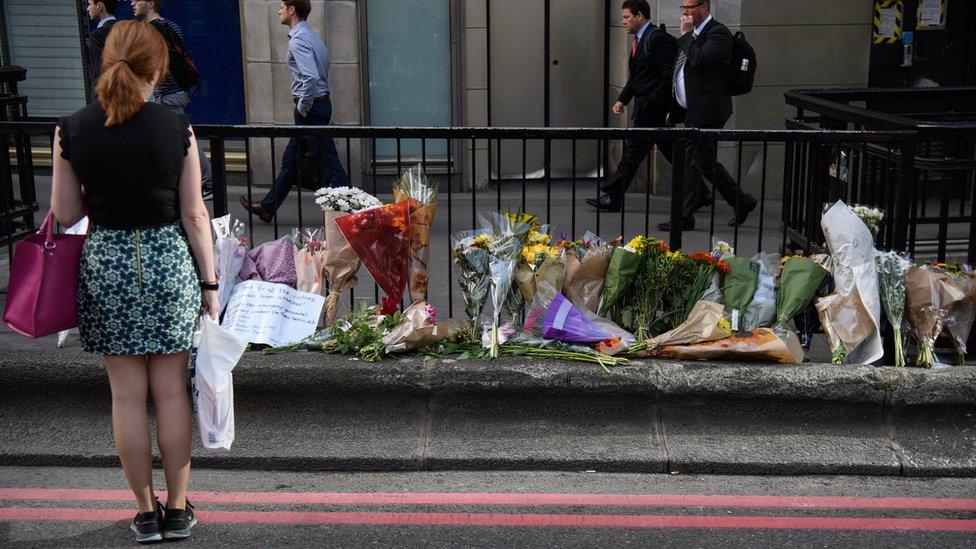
132, 166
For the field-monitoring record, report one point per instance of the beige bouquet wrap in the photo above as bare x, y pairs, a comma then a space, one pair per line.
340, 264
414, 188
929, 298
417, 330
702, 326
846, 322
583, 283
549, 274
760, 345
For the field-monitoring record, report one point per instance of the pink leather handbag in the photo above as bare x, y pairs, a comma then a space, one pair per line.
42, 294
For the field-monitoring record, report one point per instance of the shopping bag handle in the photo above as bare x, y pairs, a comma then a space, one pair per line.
47, 229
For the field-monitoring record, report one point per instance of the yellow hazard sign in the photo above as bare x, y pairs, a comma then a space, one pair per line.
887, 22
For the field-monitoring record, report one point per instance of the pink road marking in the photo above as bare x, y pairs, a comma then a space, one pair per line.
514, 520
510, 499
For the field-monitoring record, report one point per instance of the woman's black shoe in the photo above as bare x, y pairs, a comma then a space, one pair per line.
148, 526
179, 522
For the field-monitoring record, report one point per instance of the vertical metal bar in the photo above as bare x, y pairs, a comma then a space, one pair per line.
623, 208
738, 191
274, 189
488, 62
678, 166
762, 197
250, 187
474, 183
349, 160
547, 32
298, 160
219, 168
906, 187
573, 198
600, 151
450, 232
524, 176
399, 157
647, 196
498, 178
788, 183
376, 288
548, 180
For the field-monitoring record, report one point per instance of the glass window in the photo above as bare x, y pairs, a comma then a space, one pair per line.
409, 48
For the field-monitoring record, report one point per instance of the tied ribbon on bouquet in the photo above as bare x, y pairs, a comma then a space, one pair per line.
416, 190
381, 239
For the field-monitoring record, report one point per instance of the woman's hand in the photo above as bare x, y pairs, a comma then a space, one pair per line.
210, 304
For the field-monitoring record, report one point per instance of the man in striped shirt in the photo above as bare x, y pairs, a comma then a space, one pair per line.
168, 91
308, 63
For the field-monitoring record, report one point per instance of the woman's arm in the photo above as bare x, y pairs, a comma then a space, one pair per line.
66, 199
196, 222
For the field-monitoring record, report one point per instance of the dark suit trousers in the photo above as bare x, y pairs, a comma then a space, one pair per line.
701, 159
635, 151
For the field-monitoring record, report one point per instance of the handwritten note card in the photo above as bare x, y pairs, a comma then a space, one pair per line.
273, 314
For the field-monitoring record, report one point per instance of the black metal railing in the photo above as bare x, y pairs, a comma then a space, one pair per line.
790, 197
941, 204
18, 202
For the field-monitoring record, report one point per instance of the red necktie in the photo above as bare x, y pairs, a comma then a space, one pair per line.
633, 47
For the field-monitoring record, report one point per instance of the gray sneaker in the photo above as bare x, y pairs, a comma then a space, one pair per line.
179, 522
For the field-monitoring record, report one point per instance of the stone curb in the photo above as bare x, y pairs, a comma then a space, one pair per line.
660, 380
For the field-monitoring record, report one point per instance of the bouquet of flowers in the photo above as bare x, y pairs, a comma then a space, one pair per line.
872, 217
508, 234
705, 323
739, 286
309, 260
657, 262
761, 345
271, 262
586, 267
700, 268
539, 262
340, 262
761, 311
892, 268
415, 189
959, 316
846, 323
798, 282
469, 250
381, 239
929, 297
624, 263
230, 249
552, 316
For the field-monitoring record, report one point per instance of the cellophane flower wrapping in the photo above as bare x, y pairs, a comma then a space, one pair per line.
420, 193
623, 267
417, 330
761, 312
309, 260
230, 249
539, 261
696, 275
739, 287
552, 316
502, 279
271, 262
961, 317
586, 268
798, 283
340, 264
469, 250
381, 239
704, 324
846, 323
929, 297
892, 268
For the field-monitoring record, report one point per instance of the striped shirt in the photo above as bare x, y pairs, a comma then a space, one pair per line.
308, 62
168, 84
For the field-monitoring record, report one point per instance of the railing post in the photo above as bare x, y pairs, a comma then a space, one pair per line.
903, 192
218, 165
677, 193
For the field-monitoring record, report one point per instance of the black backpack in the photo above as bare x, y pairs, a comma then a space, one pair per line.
741, 72
181, 65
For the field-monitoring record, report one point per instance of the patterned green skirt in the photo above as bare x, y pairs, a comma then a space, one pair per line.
138, 292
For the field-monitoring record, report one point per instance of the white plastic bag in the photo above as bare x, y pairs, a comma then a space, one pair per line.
81, 227
215, 354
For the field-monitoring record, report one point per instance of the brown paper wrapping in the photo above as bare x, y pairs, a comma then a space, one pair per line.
417, 330
761, 345
845, 319
340, 265
549, 274
583, 282
421, 220
701, 326
929, 297
963, 313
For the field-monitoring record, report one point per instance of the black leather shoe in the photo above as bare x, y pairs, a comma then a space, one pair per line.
604, 203
742, 214
686, 225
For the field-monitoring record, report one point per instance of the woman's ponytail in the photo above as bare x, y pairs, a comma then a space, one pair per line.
134, 54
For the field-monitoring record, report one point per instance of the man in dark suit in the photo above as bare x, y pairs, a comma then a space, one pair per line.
652, 55
704, 53
102, 13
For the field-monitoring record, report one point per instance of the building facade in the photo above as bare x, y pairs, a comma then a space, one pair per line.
451, 62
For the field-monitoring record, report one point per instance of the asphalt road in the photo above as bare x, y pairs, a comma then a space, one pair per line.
73, 507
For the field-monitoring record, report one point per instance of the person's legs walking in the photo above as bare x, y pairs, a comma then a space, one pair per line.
129, 379
742, 203
634, 153
168, 384
287, 176
325, 148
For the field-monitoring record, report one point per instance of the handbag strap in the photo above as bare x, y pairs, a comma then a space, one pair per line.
47, 228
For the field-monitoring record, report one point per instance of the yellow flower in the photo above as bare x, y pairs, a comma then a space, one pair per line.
481, 241
536, 237
724, 324
637, 244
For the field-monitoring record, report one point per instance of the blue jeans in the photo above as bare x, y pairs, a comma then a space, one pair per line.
321, 149
177, 102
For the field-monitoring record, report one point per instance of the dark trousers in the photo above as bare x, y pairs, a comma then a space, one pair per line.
635, 151
701, 159
320, 150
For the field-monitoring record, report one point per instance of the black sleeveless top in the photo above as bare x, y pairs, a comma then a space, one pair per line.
131, 171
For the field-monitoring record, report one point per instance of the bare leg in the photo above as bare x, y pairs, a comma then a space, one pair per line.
129, 378
168, 383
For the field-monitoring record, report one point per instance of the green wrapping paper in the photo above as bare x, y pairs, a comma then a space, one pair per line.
738, 288
797, 287
623, 268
